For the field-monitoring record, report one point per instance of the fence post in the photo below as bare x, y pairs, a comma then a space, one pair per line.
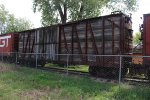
2, 54
67, 62
16, 58
120, 66
36, 58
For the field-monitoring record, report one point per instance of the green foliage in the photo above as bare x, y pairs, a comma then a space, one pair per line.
136, 38
61, 11
123, 5
22, 24
8, 22
82, 9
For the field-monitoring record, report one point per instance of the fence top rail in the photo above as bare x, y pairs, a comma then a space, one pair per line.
91, 55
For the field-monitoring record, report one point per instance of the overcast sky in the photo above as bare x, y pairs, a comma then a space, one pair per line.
144, 8
23, 8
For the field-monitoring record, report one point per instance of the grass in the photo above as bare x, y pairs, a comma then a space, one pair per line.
82, 68
21, 83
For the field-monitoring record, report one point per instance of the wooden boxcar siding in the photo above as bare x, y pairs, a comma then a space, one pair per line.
105, 35
27, 44
47, 42
146, 38
42, 40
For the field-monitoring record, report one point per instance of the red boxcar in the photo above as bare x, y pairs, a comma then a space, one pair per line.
146, 43
146, 35
8, 43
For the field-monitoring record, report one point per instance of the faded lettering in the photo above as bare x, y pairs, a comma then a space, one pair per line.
4, 41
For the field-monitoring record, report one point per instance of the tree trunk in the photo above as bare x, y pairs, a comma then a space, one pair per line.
80, 14
63, 13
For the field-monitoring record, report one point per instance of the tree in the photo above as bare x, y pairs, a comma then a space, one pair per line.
3, 18
136, 38
8, 22
17, 24
61, 11
123, 5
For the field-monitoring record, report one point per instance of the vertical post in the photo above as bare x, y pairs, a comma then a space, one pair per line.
36, 52
120, 69
67, 62
16, 57
2, 54
36, 56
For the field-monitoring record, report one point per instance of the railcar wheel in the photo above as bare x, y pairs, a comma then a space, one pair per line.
102, 72
42, 63
31, 63
148, 74
22, 62
124, 72
92, 70
107, 72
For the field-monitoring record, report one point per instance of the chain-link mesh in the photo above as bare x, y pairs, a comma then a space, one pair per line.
105, 66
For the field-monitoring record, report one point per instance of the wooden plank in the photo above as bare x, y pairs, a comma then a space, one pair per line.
33, 44
86, 42
78, 40
66, 47
93, 39
27, 43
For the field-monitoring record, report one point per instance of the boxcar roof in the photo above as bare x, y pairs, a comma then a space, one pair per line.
111, 15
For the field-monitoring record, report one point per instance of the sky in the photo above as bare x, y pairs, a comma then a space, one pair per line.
23, 8
144, 8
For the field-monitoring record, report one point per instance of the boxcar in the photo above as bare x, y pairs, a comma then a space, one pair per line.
8, 46
146, 43
40, 44
104, 35
8, 43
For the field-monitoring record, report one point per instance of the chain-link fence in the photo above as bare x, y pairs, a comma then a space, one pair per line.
115, 67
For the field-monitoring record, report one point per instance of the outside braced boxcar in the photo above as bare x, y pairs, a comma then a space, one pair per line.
42, 41
105, 35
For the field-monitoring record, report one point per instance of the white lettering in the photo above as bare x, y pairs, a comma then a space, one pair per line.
4, 41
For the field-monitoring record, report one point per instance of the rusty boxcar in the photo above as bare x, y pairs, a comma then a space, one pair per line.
146, 42
105, 35
41, 41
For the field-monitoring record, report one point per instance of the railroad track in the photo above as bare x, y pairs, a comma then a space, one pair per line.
130, 81
136, 81
127, 80
65, 71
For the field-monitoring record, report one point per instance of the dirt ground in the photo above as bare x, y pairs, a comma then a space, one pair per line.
39, 94
5, 69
